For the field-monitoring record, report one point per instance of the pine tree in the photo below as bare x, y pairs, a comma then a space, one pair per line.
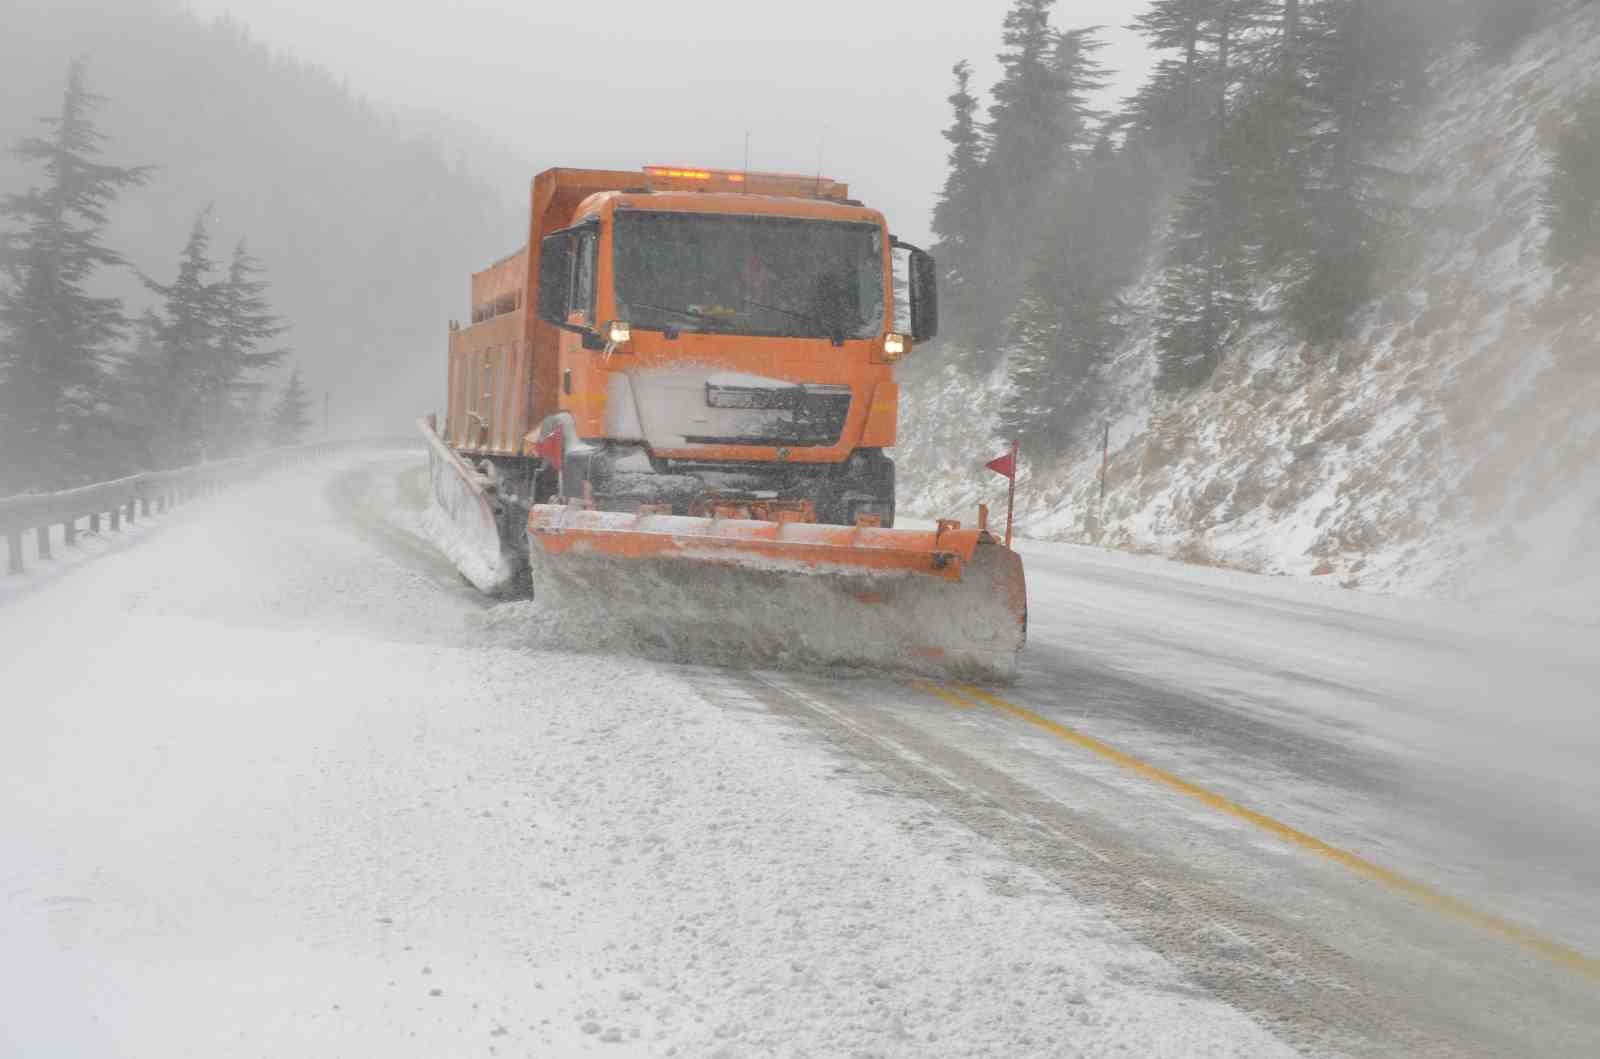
1214, 42
1029, 146
138, 383
56, 336
1204, 293
1070, 319
1572, 197
1167, 108
245, 325
1364, 65
958, 216
1271, 144
1027, 133
187, 338
1079, 76
290, 418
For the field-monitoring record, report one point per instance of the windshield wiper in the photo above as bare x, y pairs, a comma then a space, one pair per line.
704, 318
835, 332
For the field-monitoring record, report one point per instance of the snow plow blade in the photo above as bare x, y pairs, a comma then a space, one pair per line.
466, 505
949, 600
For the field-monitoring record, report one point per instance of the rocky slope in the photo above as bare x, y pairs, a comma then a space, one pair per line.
1449, 448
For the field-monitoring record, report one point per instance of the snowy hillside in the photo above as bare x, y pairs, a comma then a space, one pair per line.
1448, 449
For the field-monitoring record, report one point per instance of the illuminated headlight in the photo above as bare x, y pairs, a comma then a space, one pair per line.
619, 333
894, 346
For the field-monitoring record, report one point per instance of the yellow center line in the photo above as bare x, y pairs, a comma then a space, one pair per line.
949, 696
1551, 950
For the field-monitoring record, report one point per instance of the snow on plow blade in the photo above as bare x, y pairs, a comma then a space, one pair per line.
948, 600
463, 520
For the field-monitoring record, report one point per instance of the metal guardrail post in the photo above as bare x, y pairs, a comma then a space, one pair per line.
132, 497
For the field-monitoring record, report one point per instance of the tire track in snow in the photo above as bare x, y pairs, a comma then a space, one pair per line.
1308, 993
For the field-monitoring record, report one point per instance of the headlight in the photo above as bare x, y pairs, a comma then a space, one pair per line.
618, 333
894, 346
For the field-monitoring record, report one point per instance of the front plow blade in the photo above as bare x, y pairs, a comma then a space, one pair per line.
756, 592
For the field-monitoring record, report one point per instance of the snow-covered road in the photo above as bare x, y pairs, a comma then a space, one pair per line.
275, 782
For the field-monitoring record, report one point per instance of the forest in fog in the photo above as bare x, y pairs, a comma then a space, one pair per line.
250, 251
243, 227
1249, 162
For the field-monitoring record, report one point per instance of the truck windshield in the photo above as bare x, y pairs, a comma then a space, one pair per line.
748, 275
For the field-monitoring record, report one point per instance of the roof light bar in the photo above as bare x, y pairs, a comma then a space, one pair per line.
664, 176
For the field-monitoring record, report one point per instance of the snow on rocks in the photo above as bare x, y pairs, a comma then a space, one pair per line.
1446, 449
263, 793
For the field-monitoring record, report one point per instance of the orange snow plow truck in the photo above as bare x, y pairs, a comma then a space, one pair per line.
672, 408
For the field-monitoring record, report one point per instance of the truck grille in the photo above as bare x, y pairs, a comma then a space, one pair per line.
799, 416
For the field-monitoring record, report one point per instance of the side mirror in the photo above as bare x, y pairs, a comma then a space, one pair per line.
924, 296
555, 277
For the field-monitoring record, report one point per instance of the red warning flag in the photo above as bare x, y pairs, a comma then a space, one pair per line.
1006, 465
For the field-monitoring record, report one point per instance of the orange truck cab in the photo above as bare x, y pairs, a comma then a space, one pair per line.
681, 340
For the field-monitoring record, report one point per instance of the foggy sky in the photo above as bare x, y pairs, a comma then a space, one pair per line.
631, 83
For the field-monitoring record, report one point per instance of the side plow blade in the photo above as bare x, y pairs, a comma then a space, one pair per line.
946, 600
467, 520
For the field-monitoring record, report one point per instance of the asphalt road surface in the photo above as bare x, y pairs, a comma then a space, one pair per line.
1342, 825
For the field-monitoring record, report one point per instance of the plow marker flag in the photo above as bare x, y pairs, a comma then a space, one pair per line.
1007, 465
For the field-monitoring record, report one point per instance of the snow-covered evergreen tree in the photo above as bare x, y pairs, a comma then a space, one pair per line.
1027, 143
54, 335
1364, 66
1168, 108
1027, 120
1090, 232
1204, 293
290, 416
245, 330
958, 214
186, 339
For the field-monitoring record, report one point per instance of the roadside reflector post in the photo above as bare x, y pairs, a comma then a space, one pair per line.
1011, 493
1105, 463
